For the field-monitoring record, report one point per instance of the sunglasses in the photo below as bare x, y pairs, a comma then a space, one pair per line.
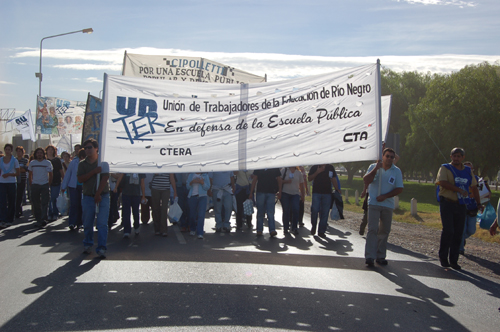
390, 156
89, 147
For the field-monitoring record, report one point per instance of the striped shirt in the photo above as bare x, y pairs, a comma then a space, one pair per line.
23, 163
161, 181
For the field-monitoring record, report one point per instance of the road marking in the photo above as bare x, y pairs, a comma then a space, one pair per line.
179, 235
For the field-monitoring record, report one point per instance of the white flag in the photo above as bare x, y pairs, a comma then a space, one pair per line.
24, 124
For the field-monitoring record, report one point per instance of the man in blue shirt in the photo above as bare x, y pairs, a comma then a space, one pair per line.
385, 181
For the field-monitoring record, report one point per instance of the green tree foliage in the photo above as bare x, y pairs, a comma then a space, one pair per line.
459, 109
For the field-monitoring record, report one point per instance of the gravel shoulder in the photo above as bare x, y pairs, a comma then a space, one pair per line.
480, 257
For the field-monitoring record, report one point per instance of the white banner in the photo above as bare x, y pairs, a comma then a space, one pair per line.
24, 124
166, 126
184, 68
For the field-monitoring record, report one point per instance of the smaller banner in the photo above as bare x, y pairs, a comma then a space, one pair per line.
24, 124
92, 122
183, 68
58, 117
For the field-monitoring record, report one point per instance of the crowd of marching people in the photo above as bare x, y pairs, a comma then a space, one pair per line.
91, 196
45, 177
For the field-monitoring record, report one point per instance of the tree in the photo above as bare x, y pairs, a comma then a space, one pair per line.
459, 109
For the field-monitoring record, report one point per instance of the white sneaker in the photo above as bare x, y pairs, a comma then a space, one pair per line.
126, 235
200, 236
192, 233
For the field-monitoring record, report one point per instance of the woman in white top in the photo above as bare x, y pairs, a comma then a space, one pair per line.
292, 193
9, 170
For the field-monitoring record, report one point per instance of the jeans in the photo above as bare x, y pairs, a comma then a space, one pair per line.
320, 205
128, 203
8, 193
40, 201
21, 189
75, 206
89, 211
265, 204
469, 229
379, 227
453, 220
291, 207
227, 202
197, 208
54, 193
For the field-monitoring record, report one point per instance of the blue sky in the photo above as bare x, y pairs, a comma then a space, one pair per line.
282, 39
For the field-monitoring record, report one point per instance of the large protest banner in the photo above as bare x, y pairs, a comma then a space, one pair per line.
153, 126
182, 68
92, 121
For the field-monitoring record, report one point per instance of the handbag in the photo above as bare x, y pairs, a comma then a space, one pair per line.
248, 207
62, 204
488, 216
334, 214
175, 212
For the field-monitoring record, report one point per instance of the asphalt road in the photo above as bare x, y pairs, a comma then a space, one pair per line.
230, 282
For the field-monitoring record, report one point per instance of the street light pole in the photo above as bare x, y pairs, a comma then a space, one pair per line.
39, 74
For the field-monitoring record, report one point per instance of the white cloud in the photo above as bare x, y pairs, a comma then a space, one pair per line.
5, 82
93, 80
90, 66
459, 3
276, 66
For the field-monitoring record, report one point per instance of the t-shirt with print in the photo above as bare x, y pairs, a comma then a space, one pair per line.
40, 171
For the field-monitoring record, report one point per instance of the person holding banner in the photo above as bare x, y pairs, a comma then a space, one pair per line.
384, 181
323, 177
133, 193
293, 192
9, 170
269, 183
160, 196
182, 194
198, 184
95, 201
40, 179
222, 184
21, 180
242, 189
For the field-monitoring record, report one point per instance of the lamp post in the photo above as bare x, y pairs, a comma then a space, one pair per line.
39, 74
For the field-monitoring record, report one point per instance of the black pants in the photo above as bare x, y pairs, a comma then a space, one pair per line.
453, 220
241, 197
